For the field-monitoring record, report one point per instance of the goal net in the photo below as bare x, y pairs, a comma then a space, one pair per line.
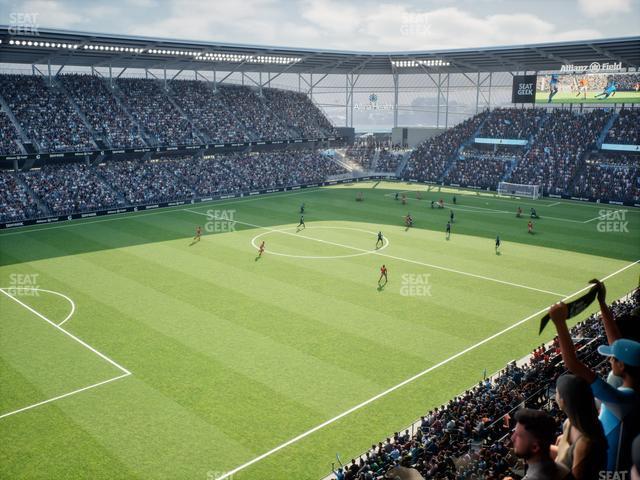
519, 190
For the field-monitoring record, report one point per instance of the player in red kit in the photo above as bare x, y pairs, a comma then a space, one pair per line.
383, 274
530, 226
198, 234
261, 249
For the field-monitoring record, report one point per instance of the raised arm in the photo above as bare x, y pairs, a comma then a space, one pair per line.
610, 326
558, 313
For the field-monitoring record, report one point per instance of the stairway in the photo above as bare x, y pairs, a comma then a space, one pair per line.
41, 204
403, 163
24, 140
204, 138
118, 96
605, 130
57, 86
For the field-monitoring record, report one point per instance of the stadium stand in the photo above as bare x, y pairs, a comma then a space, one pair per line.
151, 108
9, 141
512, 123
78, 187
609, 177
105, 116
45, 114
430, 159
299, 113
558, 148
625, 129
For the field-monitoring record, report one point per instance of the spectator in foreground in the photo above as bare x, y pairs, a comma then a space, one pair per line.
582, 447
532, 439
619, 414
635, 453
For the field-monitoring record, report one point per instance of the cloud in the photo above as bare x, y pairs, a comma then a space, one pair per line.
600, 8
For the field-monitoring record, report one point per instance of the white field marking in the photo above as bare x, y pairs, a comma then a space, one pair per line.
603, 218
71, 335
483, 195
405, 382
73, 305
134, 215
554, 204
486, 210
385, 244
446, 269
29, 407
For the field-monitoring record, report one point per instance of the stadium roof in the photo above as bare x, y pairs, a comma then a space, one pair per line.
60, 47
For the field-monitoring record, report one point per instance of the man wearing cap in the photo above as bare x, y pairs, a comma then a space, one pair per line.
620, 412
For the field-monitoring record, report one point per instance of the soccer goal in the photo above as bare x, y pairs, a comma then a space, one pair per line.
519, 190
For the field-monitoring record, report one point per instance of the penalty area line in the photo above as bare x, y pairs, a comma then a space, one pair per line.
405, 382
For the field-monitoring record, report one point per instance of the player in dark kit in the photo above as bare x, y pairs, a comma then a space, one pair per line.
497, 243
451, 216
261, 249
383, 274
553, 86
380, 239
455, 200
302, 209
448, 230
301, 224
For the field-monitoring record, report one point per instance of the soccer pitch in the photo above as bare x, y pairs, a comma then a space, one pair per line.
132, 352
571, 97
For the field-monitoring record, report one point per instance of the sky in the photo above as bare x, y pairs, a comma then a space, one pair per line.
339, 25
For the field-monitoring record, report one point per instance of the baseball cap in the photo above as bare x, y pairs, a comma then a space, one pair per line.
625, 350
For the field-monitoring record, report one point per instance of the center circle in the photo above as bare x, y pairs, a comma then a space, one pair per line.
385, 243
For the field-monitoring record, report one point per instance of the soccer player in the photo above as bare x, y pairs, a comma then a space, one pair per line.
533, 213
301, 224
198, 234
408, 220
261, 249
419, 195
553, 86
451, 216
432, 203
530, 226
440, 203
497, 244
448, 230
302, 209
396, 196
455, 200
519, 213
608, 91
582, 87
380, 239
404, 199
383, 274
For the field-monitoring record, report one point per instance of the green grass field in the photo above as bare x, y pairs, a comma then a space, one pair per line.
569, 97
201, 358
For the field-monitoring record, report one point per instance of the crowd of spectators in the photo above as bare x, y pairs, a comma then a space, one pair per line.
78, 187
470, 437
298, 112
70, 188
16, 203
45, 114
253, 113
609, 177
558, 148
430, 159
362, 152
210, 114
150, 106
512, 123
483, 172
626, 128
389, 159
147, 113
103, 113
9, 137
